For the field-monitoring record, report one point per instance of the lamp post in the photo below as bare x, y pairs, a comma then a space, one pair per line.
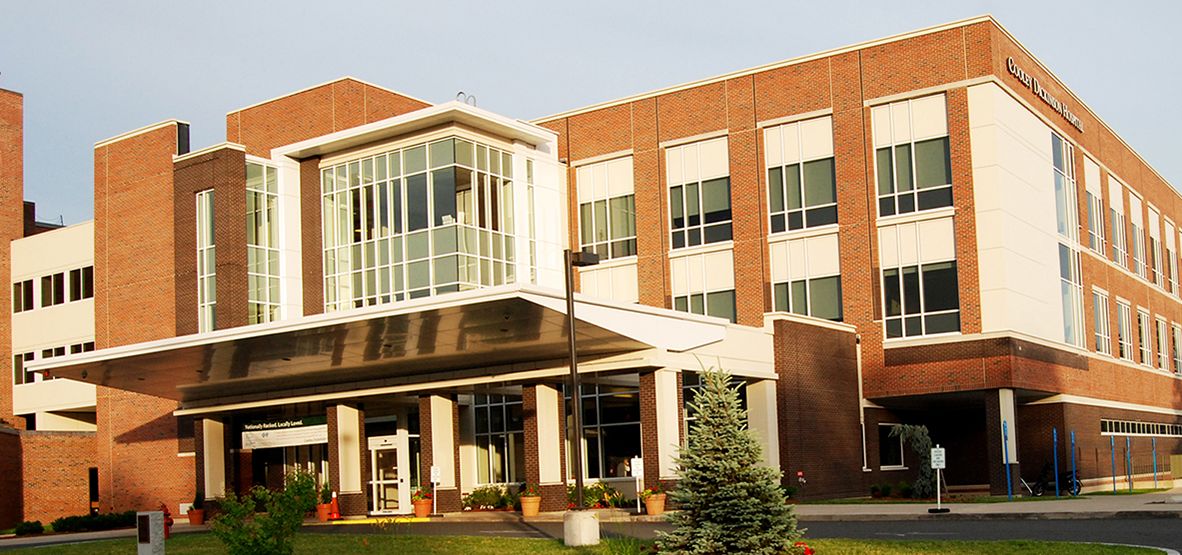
573, 259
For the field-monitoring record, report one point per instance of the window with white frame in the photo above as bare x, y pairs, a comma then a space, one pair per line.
1144, 339
1175, 348
1171, 260
421, 220
704, 283
1070, 273
806, 276
911, 155
1156, 269
607, 208
1063, 161
206, 263
1095, 202
1103, 338
920, 293
1116, 214
1163, 344
802, 186
500, 438
1124, 330
262, 243
890, 449
1136, 220
699, 193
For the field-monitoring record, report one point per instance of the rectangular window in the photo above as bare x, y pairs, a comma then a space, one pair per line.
19, 374
1156, 271
611, 429
500, 439
22, 296
1095, 201
1175, 348
912, 161
1063, 161
890, 449
806, 276
53, 289
1071, 294
699, 193
262, 243
82, 283
1144, 339
607, 208
720, 304
1103, 339
1124, 330
1171, 260
1137, 229
921, 300
802, 185
206, 263
1163, 343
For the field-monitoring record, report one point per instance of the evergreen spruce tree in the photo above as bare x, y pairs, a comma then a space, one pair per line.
728, 502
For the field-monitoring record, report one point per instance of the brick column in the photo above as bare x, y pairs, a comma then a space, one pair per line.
543, 411
999, 405
439, 423
660, 424
348, 461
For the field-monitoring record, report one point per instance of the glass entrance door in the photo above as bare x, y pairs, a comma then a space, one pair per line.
389, 488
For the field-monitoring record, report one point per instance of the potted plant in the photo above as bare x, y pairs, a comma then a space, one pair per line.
531, 500
197, 511
654, 500
421, 499
324, 504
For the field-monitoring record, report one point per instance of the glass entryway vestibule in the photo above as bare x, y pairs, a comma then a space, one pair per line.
394, 462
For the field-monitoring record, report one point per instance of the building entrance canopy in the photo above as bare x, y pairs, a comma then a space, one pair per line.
485, 332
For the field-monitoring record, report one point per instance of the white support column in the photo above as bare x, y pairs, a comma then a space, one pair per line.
349, 449
213, 457
443, 440
467, 438
549, 435
1006, 410
668, 422
763, 419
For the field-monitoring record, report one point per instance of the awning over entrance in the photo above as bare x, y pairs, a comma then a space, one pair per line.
447, 337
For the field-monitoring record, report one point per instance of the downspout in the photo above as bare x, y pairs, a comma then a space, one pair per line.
861, 400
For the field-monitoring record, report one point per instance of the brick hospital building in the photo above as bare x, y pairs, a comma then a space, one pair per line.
929, 228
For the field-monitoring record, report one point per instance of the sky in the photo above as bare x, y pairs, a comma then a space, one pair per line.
93, 70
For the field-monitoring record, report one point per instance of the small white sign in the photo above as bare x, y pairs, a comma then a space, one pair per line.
637, 467
435, 475
938, 460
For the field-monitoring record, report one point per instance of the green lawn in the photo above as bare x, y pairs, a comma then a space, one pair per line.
319, 544
965, 499
1125, 491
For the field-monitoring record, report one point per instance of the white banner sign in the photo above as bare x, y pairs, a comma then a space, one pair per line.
285, 437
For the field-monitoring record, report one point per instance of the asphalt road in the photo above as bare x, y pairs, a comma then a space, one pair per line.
1147, 532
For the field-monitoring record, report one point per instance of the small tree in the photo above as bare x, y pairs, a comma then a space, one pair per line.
921, 442
728, 501
247, 532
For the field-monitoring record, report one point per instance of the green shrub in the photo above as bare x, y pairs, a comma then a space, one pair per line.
903, 489
485, 498
94, 523
875, 491
244, 531
885, 490
325, 494
597, 495
29, 527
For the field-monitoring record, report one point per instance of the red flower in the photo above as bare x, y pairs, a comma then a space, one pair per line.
807, 550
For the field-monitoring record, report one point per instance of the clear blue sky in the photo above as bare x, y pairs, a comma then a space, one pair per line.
92, 70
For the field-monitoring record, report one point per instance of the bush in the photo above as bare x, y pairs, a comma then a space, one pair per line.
597, 495
903, 489
875, 491
884, 490
29, 527
485, 498
247, 532
94, 523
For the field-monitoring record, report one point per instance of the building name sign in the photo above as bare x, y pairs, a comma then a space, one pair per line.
1035, 87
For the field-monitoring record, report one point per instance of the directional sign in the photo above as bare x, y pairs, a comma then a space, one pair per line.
938, 460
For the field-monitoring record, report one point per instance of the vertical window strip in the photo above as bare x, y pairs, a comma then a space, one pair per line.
500, 439
1175, 348
1124, 330
1103, 343
1144, 339
1095, 223
206, 263
262, 244
1163, 343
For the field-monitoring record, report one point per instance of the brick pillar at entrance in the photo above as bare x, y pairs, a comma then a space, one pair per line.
543, 410
439, 424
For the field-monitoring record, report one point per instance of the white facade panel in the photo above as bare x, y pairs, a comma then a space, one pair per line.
929, 117
1092, 177
1116, 194
817, 138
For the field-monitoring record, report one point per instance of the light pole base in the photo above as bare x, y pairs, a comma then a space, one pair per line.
580, 528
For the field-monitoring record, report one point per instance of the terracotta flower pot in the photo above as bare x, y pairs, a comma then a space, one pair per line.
655, 504
322, 511
530, 505
196, 517
422, 508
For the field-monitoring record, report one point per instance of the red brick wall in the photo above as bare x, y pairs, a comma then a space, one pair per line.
11, 227
314, 112
11, 510
56, 474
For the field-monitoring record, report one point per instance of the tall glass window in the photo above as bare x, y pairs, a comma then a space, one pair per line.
912, 159
1157, 272
611, 429
1163, 343
607, 208
1095, 217
500, 439
1124, 330
1137, 229
699, 193
1103, 342
422, 220
262, 243
1144, 339
802, 184
1116, 214
1070, 274
206, 263
1175, 348
1171, 261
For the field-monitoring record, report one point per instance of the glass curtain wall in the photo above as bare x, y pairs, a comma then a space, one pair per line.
417, 221
500, 439
611, 429
262, 243
206, 264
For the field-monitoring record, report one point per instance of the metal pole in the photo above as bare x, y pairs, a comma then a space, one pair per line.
1074, 476
1154, 440
575, 397
1112, 450
1055, 448
1005, 450
1129, 460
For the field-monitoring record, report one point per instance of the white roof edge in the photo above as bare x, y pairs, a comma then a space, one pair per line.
140, 131
537, 131
770, 318
55, 230
209, 149
770, 66
329, 82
